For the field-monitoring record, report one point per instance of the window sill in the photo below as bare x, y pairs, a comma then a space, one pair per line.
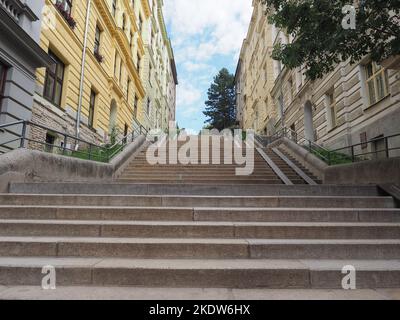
332, 129
378, 102
92, 129
53, 105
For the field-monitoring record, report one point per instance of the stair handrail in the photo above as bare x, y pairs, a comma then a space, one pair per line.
106, 153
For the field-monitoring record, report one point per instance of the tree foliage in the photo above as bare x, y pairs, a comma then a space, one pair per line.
221, 103
320, 39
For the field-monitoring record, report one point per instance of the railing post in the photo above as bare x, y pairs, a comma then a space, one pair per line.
90, 151
23, 134
353, 158
65, 145
387, 147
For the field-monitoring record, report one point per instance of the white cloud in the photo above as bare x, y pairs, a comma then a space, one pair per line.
187, 94
206, 35
226, 20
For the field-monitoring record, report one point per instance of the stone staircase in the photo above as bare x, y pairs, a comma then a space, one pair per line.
287, 169
191, 227
140, 171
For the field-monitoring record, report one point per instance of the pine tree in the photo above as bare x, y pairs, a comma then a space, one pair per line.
221, 103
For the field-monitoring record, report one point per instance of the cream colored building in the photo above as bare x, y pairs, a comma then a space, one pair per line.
353, 104
161, 77
254, 76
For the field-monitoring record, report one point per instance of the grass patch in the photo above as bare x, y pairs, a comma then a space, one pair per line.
97, 154
332, 158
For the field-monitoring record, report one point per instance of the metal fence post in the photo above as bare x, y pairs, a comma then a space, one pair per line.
353, 158
65, 144
90, 152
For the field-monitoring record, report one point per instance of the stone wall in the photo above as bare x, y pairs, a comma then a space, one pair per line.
45, 114
23, 165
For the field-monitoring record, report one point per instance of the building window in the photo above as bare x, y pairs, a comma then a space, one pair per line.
65, 5
50, 141
92, 105
115, 63
377, 82
114, 8
135, 107
332, 110
131, 40
123, 22
54, 81
140, 23
120, 71
97, 41
138, 63
291, 89
281, 106
97, 37
148, 105
3, 74
128, 85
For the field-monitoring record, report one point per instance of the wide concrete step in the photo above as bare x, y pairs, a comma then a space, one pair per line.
218, 230
165, 248
210, 189
93, 292
234, 274
198, 214
194, 166
201, 181
208, 176
199, 201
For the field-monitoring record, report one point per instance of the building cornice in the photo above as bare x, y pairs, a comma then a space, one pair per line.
25, 42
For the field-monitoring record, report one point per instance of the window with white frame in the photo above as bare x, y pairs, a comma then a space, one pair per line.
331, 109
377, 82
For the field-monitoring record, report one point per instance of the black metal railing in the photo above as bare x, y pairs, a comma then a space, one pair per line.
378, 148
20, 134
282, 133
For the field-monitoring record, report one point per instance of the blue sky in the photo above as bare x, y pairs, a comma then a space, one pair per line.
206, 36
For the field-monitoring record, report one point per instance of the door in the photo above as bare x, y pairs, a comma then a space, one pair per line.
308, 122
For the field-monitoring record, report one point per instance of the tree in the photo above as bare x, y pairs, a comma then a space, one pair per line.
221, 103
321, 41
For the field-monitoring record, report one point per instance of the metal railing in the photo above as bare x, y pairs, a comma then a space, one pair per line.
18, 135
378, 148
282, 133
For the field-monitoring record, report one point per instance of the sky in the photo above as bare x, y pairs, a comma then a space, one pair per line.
206, 36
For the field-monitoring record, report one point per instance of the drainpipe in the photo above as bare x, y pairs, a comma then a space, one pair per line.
78, 114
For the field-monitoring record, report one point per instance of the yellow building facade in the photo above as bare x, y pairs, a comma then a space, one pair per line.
102, 89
